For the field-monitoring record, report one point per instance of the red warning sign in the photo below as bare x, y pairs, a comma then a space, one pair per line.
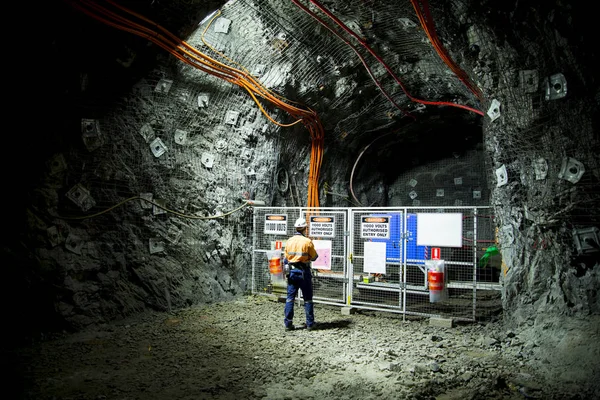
435, 279
436, 253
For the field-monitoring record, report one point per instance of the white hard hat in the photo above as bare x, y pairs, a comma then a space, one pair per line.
300, 223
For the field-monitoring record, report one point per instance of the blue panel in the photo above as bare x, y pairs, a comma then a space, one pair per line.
393, 251
414, 252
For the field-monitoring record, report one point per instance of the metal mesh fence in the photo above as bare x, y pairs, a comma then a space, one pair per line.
330, 271
377, 263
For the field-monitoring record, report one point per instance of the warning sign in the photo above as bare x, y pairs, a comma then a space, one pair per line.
375, 227
276, 224
322, 227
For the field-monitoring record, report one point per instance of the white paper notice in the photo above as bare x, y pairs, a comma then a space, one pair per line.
323, 248
375, 257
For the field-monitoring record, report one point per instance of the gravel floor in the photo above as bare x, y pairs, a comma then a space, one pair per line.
239, 350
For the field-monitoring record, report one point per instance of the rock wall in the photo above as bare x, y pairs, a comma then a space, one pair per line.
138, 159
542, 143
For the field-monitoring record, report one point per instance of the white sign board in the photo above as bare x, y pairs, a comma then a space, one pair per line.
323, 248
322, 227
439, 229
375, 257
375, 227
275, 224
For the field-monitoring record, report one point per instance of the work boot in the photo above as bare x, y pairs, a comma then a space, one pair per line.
312, 327
289, 328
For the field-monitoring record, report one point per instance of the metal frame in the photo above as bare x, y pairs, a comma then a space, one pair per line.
398, 291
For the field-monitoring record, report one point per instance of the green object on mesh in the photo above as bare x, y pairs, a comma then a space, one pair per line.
485, 259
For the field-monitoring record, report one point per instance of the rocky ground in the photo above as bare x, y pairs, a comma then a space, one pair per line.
239, 350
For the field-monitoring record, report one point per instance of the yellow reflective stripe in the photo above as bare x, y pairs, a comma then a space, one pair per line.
296, 253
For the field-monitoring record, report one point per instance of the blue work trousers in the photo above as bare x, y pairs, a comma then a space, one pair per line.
299, 279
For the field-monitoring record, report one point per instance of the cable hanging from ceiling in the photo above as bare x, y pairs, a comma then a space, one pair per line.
427, 24
362, 60
240, 77
424, 15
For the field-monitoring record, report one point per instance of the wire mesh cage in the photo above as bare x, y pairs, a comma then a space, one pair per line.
371, 258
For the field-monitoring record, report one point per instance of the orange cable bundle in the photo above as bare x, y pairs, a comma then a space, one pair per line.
192, 56
427, 24
428, 27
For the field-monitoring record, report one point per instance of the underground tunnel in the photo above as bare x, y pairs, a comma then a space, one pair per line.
171, 146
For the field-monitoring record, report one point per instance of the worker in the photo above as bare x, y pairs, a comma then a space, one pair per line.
298, 254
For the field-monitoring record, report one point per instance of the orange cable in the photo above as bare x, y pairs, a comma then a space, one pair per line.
191, 56
361, 58
384, 64
429, 28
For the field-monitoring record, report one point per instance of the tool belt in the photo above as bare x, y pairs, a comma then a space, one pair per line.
299, 265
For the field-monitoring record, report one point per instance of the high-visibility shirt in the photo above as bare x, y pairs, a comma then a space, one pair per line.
300, 249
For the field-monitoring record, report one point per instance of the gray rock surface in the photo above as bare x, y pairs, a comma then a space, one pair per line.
239, 350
